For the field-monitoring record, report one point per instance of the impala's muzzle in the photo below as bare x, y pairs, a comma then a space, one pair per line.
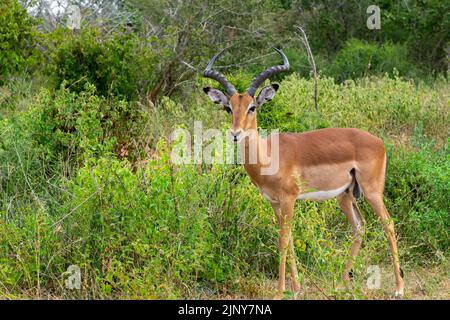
236, 135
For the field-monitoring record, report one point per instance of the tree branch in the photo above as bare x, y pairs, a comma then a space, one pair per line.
304, 40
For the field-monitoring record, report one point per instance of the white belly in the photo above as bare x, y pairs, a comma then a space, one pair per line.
323, 195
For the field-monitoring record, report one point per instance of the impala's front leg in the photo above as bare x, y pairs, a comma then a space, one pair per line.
285, 222
291, 253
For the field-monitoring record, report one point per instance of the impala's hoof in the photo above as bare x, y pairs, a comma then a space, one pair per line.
348, 277
279, 296
297, 290
296, 287
398, 295
350, 274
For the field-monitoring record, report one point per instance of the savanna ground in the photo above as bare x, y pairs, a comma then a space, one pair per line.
86, 177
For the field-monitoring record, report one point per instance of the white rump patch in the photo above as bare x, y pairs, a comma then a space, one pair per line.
323, 195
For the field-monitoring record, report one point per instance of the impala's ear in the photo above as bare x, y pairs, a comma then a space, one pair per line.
216, 96
267, 94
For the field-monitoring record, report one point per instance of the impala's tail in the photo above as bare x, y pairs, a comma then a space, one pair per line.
356, 190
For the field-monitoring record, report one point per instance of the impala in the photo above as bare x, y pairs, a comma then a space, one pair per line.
318, 165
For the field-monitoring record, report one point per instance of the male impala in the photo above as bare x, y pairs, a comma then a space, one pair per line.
316, 165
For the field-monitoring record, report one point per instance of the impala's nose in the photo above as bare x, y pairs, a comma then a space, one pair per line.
236, 135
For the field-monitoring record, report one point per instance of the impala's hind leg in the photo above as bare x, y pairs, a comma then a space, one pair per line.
370, 176
348, 205
293, 265
376, 201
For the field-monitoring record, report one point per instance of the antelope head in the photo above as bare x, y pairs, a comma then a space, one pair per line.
243, 106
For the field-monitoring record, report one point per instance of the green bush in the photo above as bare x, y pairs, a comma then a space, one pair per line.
418, 190
421, 26
120, 63
17, 39
359, 58
69, 126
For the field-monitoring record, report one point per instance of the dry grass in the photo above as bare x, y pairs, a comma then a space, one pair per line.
420, 284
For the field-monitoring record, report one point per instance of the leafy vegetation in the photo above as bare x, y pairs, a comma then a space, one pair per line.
119, 64
358, 59
85, 171
17, 38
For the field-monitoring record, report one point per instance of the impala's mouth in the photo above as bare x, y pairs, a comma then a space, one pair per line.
237, 139
236, 135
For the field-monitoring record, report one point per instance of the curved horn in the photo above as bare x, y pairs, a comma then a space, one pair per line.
208, 73
256, 83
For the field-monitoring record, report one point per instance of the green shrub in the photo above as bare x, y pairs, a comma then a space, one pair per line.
418, 190
17, 39
359, 58
69, 126
119, 63
421, 26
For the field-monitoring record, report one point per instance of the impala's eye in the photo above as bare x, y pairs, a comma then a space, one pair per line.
228, 109
251, 109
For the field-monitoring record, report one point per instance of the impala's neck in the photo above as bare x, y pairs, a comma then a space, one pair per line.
255, 151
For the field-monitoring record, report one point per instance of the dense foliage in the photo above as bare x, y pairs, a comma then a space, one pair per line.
17, 39
422, 26
119, 64
358, 59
